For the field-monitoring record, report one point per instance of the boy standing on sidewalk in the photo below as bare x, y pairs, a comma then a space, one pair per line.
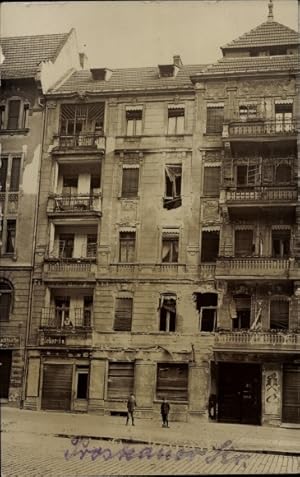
165, 409
130, 409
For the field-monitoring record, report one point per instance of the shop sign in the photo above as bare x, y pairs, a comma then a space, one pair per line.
53, 340
9, 341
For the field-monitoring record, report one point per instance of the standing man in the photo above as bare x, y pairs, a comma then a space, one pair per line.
130, 408
165, 409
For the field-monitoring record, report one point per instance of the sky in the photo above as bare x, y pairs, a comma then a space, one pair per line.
145, 33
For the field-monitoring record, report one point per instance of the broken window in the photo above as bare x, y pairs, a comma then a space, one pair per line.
248, 111
77, 119
66, 245
283, 117
127, 247
134, 121
120, 380
247, 175
172, 381
243, 243
170, 246
130, 182
91, 245
167, 313
211, 181
283, 174
6, 295
281, 243
214, 119
176, 119
242, 312
209, 246
82, 379
173, 175
207, 305
10, 245
123, 314
279, 315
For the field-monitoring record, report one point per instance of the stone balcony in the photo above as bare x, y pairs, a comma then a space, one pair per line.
253, 267
260, 195
80, 142
259, 128
154, 141
257, 341
70, 205
145, 270
70, 268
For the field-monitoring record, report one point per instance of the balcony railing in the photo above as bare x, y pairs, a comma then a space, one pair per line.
88, 140
255, 339
262, 128
64, 318
68, 266
268, 194
74, 204
12, 201
253, 266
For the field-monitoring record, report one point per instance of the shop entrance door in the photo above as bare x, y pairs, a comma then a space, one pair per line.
5, 367
57, 387
239, 393
291, 395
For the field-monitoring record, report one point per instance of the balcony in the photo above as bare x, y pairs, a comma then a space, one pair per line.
264, 195
145, 270
260, 128
257, 341
80, 142
253, 267
80, 204
66, 319
70, 268
11, 199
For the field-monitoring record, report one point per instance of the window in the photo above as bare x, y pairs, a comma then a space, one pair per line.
167, 313
91, 245
14, 107
62, 312
123, 314
10, 170
283, 174
241, 320
244, 246
176, 119
87, 311
82, 380
170, 246
6, 295
172, 381
127, 247
3, 173
173, 177
209, 246
248, 111
215, 119
77, 119
281, 243
207, 305
66, 245
283, 117
130, 182
247, 175
120, 380
279, 315
15, 174
95, 183
134, 121
70, 185
2, 116
10, 245
211, 181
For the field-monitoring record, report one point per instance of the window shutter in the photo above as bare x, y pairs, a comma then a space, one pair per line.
211, 182
130, 182
120, 380
13, 114
279, 311
215, 119
123, 314
172, 382
15, 174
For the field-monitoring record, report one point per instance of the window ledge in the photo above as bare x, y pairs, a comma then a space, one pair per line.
11, 132
129, 199
213, 134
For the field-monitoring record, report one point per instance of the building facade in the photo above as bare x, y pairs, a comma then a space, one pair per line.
30, 65
167, 245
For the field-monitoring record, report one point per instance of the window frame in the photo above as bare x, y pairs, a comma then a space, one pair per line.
163, 297
122, 241
22, 118
126, 193
218, 251
82, 370
211, 193
277, 300
171, 237
242, 255
137, 123
214, 128
118, 310
9, 291
179, 125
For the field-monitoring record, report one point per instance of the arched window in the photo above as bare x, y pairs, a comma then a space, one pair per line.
6, 297
283, 174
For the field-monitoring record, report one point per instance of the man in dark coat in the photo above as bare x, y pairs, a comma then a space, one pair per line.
165, 409
130, 409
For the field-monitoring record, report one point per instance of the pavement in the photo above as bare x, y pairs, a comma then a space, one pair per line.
197, 433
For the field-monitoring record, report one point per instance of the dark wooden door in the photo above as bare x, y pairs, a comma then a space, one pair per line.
291, 394
57, 387
5, 367
239, 393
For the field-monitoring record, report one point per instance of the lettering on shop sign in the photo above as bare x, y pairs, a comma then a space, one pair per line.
81, 448
53, 340
272, 392
9, 341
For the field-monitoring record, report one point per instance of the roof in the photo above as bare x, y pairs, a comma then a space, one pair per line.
269, 33
128, 79
255, 64
23, 54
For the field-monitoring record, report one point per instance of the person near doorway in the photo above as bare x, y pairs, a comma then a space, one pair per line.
130, 409
165, 409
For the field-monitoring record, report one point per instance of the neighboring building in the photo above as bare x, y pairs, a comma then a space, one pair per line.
168, 241
30, 65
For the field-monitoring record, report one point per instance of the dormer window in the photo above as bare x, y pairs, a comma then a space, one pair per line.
101, 74
167, 71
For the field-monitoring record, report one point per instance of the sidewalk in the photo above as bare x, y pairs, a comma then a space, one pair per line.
196, 433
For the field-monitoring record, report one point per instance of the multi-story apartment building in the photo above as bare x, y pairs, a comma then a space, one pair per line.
167, 251
30, 65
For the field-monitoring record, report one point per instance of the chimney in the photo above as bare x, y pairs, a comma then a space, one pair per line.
270, 14
83, 59
177, 61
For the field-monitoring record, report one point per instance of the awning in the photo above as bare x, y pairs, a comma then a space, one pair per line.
284, 101
134, 108
215, 105
176, 106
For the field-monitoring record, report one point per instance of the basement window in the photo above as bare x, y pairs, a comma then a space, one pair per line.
207, 305
167, 313
279, 315
173, 178
209, 246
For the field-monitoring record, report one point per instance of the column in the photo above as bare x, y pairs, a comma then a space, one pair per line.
97, 385
144, 387
198, 388
33, 379
271, 394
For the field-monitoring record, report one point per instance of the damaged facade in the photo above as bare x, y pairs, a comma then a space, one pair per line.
167, 243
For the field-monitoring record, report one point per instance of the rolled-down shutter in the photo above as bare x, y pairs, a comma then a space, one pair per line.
120, 380
57, 387
291, 395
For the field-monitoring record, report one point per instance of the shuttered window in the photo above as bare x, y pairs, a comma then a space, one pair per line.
211, 181
123, 314
130, 182
172, 381
279, 315
215, 119
14, 107
243, 243
120, 380
15, 174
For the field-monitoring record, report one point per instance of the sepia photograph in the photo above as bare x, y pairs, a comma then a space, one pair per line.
149, 238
